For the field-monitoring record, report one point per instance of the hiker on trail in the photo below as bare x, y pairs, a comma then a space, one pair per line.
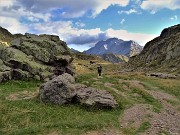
99, 68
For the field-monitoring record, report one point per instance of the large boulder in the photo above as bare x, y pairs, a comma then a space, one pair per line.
62, 90
92, 97
59, 90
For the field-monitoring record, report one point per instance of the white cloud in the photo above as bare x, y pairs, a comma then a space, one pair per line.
73, 14
6, 3
22, 12
140, 38
155, 5
70, 8
122, 21
70, 34
174, 18
128, 11
104, 4
13, 25
80, 24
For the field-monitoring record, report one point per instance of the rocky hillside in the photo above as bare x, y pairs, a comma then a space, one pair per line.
33, 56
115, 46
114, 58
162, 53
5, 36
74, 50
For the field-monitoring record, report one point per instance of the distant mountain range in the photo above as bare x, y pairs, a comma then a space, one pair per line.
115, 46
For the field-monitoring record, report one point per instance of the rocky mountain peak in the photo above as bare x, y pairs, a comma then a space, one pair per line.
115, 46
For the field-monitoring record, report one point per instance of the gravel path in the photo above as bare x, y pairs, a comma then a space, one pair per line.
168, 119
136, 115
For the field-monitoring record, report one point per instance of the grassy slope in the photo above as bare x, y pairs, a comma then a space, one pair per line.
30, 116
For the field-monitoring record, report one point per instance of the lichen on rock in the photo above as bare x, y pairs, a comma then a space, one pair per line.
35, 56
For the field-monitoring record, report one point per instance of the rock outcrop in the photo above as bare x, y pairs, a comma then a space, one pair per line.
161, 54
5, 36
39, 57
63, 90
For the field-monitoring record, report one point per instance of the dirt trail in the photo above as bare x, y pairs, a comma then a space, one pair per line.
136, 115
168, 120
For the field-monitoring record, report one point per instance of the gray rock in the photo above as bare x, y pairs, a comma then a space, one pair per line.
42, 56
62, 90
164, 75
3, 67
19, 74
5, 76
59, 90
95, 98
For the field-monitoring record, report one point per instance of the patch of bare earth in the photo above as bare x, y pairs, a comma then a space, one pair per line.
136, 115
22, 95
168, 119
162, 96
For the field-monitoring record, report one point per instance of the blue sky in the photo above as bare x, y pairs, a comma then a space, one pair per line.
82, 23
